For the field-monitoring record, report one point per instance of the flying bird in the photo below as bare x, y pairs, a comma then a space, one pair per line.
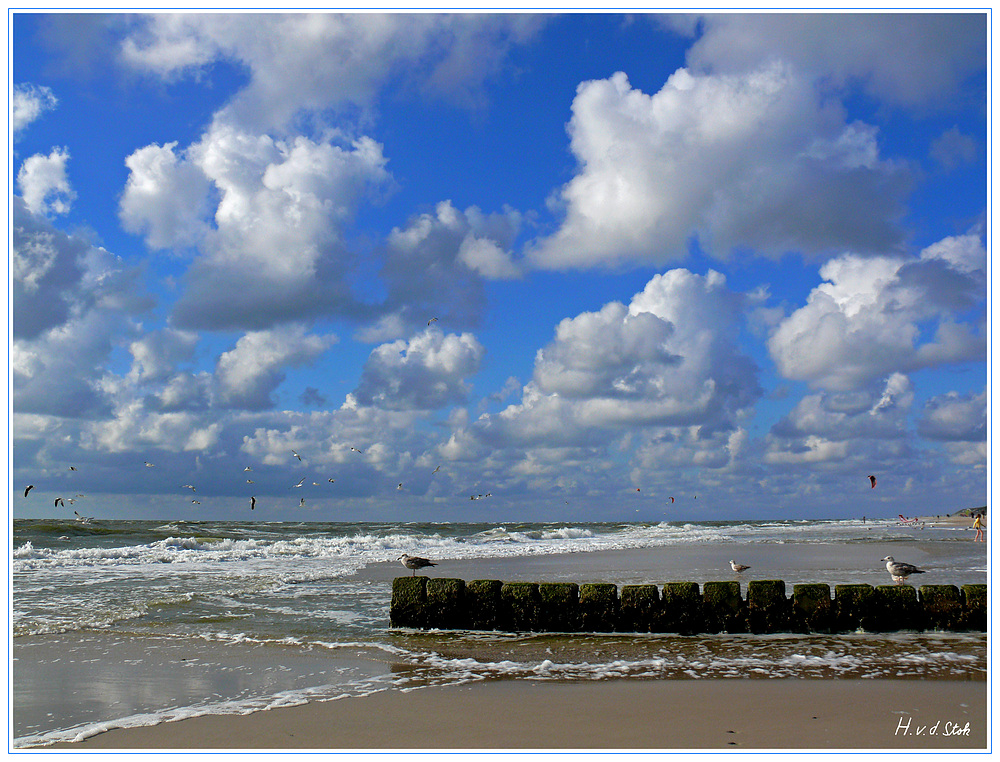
148, 464
431, 320
413, 562
331, 480
900, 571
399, 486
59, 501
82, 519
356, 449
296, 454
189, 486
253, 502
436, 470
196, 502
300, 482
72, 468
873, 480
28, 489
250, 481
302, 502
248, 469
671, 500
738, 568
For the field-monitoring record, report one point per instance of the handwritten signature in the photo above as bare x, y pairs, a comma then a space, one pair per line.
939, 728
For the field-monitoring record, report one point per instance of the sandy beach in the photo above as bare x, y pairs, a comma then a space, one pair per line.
607, 715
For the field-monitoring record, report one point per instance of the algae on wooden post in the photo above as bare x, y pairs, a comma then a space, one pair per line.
639, 609
812, 608
409, 602
560, 606
897, 608
942, 606
767, 607
446, 606
722, 607
483, 600
520, 606
682, 608
974, 610
854, 608
598, 606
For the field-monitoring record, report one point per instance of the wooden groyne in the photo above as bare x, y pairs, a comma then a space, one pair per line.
681, 607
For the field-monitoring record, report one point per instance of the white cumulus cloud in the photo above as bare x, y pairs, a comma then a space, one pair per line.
27, 103
870, 316
752, 159
44, 184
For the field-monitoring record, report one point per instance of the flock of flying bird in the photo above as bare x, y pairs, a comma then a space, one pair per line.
898, 570
61, 502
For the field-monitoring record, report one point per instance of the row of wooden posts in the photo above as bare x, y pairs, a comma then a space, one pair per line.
682, 607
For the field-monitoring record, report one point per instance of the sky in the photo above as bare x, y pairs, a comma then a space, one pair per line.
498, 266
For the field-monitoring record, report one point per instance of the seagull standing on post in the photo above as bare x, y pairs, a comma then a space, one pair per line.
899, 571
414, 562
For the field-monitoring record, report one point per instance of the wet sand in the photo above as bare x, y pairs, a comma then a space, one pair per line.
608, 715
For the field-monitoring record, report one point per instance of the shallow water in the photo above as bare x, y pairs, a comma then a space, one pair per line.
136, 623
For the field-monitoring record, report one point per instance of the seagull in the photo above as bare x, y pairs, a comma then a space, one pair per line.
431, 320
148, 464
413, 562
82, 519
873, 480
296, 454
248, 469
900, 571
356, 449
302, 502
72, 468
738, 568
250, 481
59, 501
300, 482
436, 470
28, 489
196, 502
399, 486
189, 486
253, 502
331, 480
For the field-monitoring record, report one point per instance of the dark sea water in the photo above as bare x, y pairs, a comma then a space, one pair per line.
126, 623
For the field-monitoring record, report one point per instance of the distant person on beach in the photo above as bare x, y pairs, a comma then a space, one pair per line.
978, 526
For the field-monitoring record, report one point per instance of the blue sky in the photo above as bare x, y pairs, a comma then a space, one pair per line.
595, 266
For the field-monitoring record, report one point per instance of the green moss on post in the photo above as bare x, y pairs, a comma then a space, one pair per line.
682, 608
520, 606
722, 607
560, 603
446, 607
482, 598
854, 608
897, 608
812, 608
974, 610
639, 609
408, 607
942, 606
598, 606
768, 609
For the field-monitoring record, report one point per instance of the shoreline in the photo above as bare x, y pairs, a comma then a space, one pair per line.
728, 713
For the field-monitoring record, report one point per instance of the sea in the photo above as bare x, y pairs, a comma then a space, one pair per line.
117, 624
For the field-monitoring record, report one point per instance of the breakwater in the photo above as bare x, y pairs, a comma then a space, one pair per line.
682, 607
